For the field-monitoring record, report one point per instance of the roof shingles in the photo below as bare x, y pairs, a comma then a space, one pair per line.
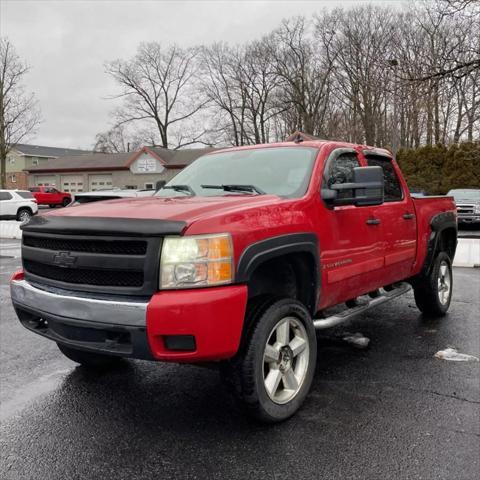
120, 161
52, 152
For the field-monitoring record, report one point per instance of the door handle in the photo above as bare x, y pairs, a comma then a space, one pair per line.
373, 221
408, 216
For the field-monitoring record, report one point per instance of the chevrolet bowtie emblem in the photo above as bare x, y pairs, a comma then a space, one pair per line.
64, 259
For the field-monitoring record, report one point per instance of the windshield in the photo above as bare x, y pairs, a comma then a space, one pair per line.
465, 194
283, 171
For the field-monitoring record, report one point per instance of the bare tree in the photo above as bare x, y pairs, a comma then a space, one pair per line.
117, 140
19, 111
159, 88
221, 86
304, 65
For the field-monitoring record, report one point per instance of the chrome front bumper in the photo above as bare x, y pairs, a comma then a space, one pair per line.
66, 304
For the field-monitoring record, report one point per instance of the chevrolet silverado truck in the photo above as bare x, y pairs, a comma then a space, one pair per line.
467, 201
236, 262
51, 196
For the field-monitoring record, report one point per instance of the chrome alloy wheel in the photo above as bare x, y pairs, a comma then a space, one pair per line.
444, 283
285, 360
24, 216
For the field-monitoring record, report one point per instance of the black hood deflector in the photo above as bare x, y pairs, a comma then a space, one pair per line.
125, 227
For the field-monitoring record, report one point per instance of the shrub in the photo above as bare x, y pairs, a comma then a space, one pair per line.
437, 169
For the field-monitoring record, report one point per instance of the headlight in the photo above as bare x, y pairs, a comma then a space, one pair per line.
477, 208
196, 261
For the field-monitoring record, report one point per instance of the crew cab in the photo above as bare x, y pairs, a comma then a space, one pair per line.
236, 262
17, 205
51, 196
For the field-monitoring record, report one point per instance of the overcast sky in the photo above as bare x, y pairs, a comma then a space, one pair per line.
67, 42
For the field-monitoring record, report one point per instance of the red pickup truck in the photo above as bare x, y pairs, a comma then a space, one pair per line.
51, 196
237, 261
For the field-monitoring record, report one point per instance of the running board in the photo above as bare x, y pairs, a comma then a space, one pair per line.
338, 318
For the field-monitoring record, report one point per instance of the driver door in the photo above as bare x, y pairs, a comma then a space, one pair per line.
352, 250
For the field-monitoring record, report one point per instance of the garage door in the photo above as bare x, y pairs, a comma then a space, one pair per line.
44, 180
72, 183
100, 182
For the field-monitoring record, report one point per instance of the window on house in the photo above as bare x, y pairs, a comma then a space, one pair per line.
35, 161
149, 186
392, 187
12, 160
131, 187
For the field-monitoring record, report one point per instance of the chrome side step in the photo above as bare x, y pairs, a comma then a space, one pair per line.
338, 318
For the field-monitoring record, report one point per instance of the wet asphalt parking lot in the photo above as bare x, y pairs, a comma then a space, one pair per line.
392, 411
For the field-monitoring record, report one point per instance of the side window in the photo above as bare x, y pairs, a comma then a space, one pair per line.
393, 189
340, 170
5, 196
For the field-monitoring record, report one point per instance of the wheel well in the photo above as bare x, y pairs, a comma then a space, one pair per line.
447, 242
24, 208
291, 275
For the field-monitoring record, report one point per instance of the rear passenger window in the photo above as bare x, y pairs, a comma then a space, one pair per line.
393, 189
25, 194
340, 170
5, 196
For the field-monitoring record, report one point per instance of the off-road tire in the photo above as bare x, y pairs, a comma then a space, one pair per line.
244, 374
427, 289
91, 360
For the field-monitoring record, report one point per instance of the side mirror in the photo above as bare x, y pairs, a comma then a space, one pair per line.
367, 188
369, 181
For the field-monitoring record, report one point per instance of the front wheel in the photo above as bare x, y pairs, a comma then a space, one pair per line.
90, 360
433, 293
24, 215
273, 373
65, 202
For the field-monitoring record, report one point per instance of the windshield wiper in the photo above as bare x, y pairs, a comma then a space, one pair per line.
236, 188
180, 188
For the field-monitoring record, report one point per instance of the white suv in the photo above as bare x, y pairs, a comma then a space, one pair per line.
17, 205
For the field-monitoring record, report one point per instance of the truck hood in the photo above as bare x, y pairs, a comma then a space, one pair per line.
186, 209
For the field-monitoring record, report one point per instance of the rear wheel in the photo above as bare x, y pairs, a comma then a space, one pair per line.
90, 360
433, 293
273, 373
24, 215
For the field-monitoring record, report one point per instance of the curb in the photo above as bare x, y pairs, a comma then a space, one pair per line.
468, 253
10, 229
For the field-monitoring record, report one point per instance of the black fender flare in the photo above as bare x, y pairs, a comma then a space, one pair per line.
259, 252
438, 224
